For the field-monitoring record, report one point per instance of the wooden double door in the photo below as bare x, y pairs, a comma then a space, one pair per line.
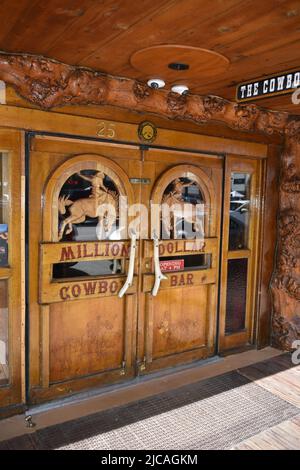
122, 281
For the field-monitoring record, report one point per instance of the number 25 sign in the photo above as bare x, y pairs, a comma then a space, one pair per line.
106, 129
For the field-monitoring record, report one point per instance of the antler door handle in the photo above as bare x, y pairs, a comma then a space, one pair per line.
129, 279
157, 271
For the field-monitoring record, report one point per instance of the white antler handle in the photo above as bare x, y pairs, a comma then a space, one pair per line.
129, 279
157, 271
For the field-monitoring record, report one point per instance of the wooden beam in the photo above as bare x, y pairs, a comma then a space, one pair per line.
48, 83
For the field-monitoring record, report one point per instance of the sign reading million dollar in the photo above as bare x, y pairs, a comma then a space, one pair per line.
274, 85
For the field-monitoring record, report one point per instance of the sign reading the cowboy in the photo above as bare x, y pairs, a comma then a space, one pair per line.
274, 85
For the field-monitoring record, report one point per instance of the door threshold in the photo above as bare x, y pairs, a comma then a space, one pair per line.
105, 389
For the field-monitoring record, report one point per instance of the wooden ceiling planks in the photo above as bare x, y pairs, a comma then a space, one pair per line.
44, 23
99, 30
11, 16
259, 37
162, 27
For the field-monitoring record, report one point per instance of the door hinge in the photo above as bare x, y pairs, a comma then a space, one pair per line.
142, 365
123, 368
29, 422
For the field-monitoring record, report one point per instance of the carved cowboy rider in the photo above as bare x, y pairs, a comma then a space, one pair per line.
178, 187
97, 183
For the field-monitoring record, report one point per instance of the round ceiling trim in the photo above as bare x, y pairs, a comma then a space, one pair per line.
199, 63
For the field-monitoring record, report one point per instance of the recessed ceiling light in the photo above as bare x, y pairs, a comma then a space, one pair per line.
178, 66
156, 83
180, 89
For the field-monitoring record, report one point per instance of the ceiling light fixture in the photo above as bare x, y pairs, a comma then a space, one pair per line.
156, 83
178, 66
180, 89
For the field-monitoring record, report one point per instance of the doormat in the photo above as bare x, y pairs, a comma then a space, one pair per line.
215, 413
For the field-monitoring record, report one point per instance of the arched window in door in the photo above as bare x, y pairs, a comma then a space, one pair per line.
186, 197
82, 198
183, 209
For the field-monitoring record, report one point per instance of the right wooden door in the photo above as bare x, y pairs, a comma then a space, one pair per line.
179, 264
240, 248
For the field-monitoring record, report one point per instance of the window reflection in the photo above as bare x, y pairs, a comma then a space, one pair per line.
236, 299
239, 211
88, 268
183, 210
3, 333
4, 208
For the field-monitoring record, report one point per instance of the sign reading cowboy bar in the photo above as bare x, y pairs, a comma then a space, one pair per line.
274, 85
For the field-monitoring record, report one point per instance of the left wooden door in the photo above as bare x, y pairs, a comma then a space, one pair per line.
82, 323
11, 265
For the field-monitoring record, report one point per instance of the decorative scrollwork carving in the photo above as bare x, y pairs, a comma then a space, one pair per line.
141, 90
269, 122
285, 332
213, 105
286, 282
245, 116
176, 103
292, 130
48, 83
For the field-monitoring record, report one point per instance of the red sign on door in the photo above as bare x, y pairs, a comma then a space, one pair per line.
172, 265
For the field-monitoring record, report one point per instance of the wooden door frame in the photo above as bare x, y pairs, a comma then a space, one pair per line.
246, 337
12, 395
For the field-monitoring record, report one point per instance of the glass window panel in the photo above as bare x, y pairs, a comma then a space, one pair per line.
4, 208
236, 295
4, 372
88, 268
239, 211
183, 210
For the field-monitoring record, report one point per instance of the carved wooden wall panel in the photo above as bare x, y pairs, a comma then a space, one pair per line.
286, 282
48, 83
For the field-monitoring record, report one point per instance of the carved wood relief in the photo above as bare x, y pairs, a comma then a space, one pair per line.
75, 212
286, 282
48, 83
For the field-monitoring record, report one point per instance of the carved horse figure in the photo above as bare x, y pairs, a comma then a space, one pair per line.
176, 208
102, 203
